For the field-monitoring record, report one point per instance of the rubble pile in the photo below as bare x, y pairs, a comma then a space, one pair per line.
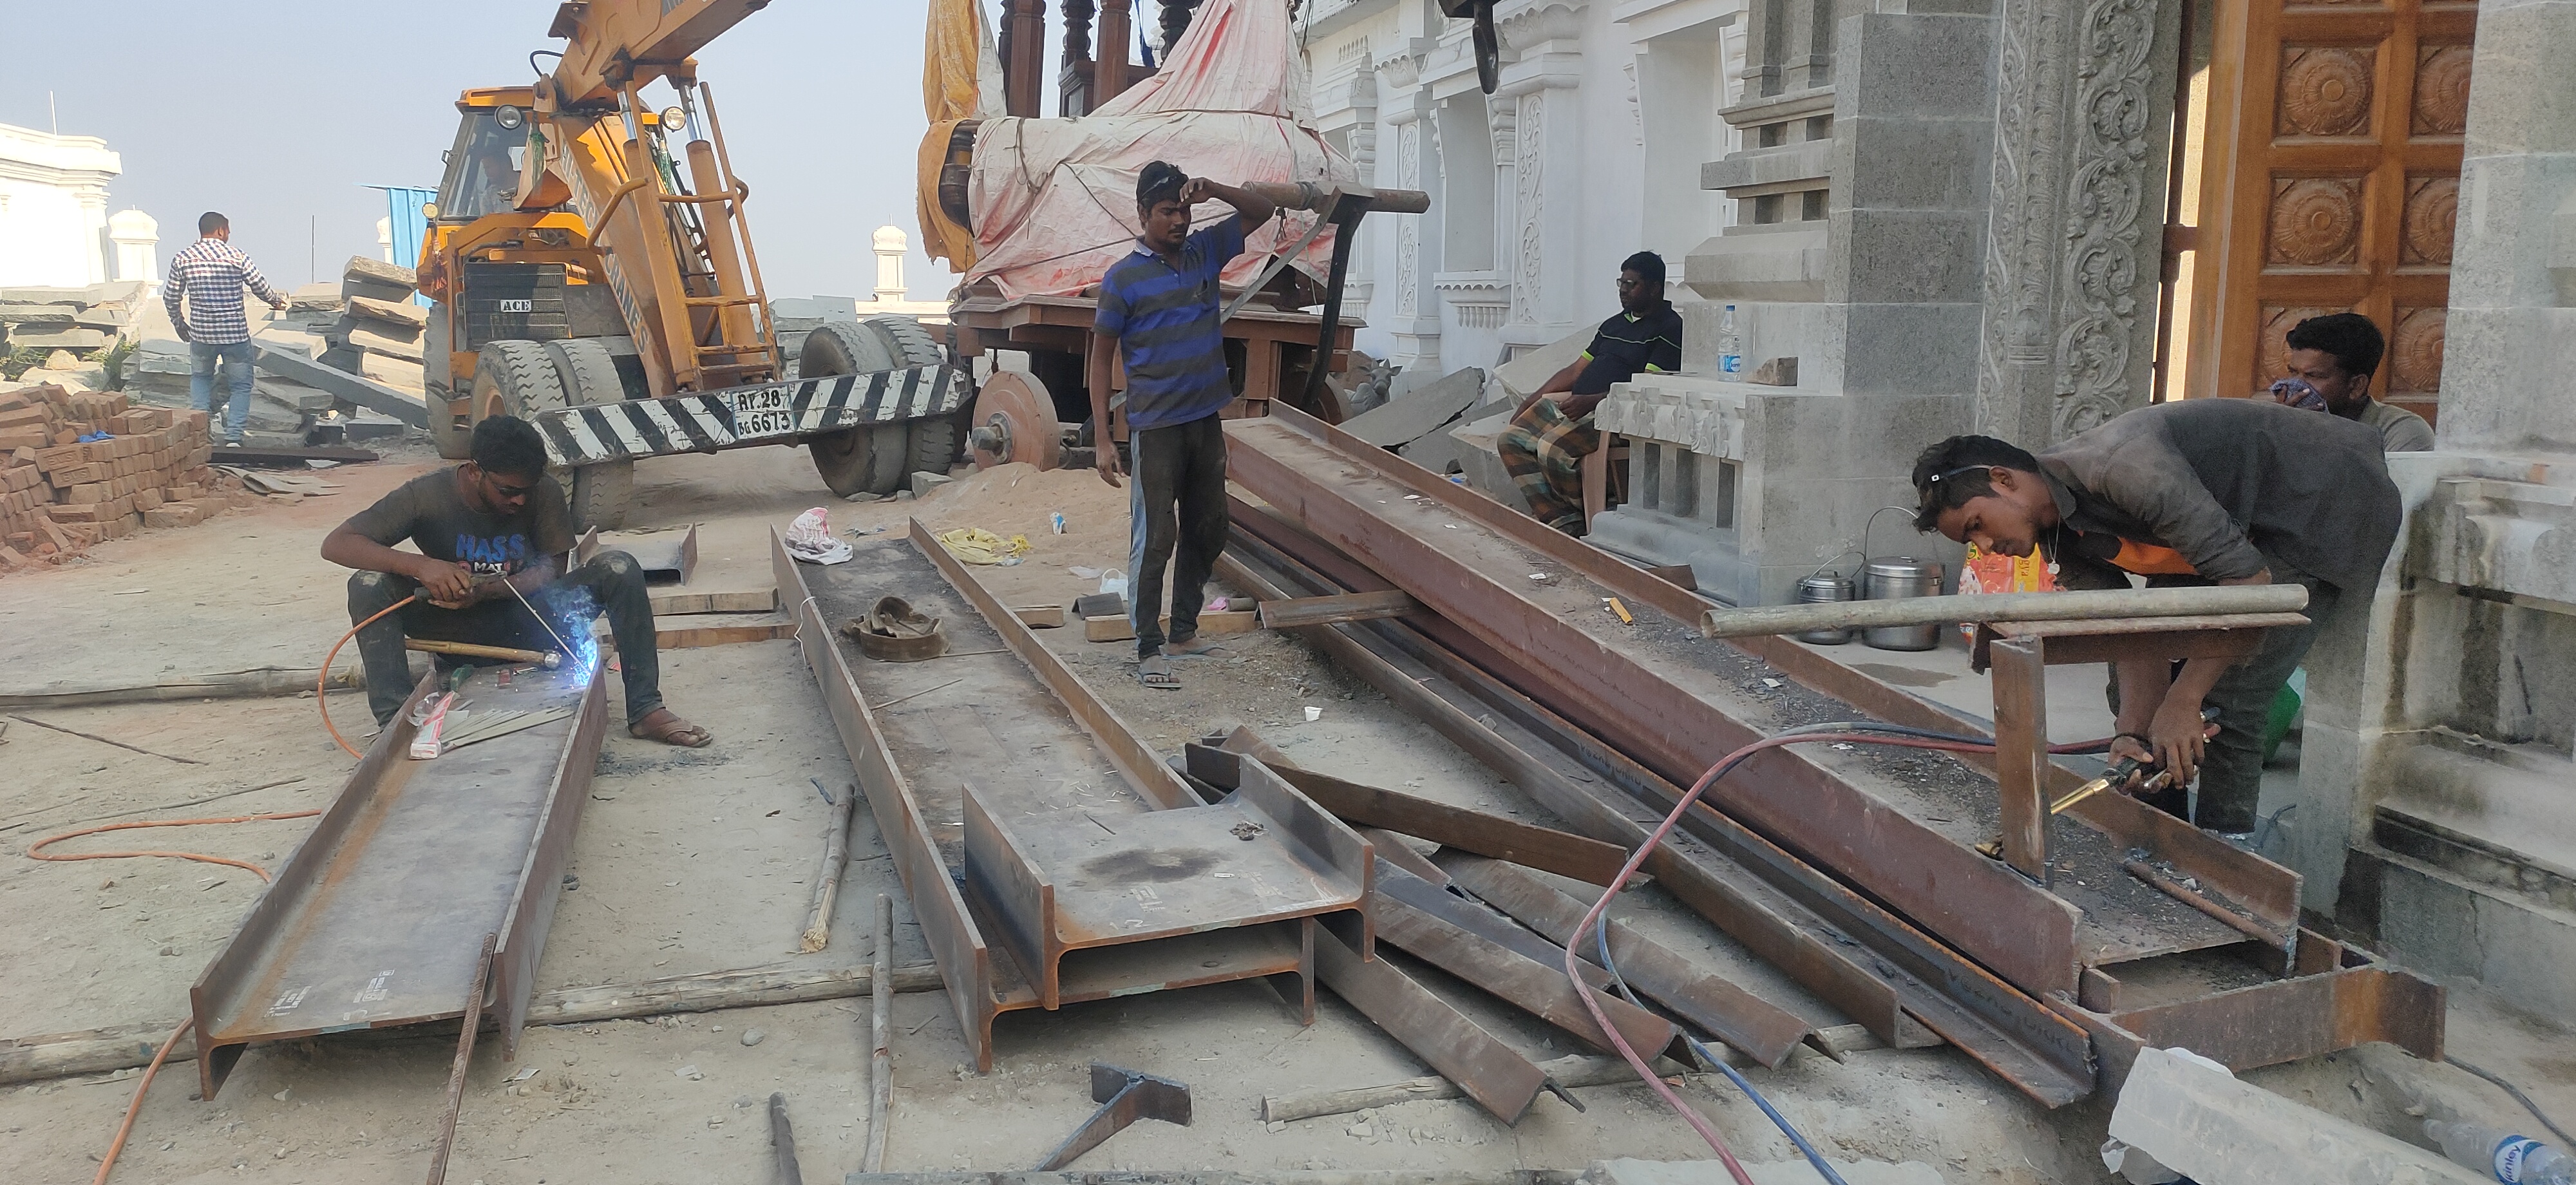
77, 467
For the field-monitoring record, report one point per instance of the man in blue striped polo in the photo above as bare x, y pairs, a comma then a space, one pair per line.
1158, 309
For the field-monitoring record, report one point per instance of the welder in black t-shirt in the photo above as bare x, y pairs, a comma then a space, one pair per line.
491, 534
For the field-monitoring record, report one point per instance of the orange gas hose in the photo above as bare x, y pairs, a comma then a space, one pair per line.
322, 682
36, 850
107, 1163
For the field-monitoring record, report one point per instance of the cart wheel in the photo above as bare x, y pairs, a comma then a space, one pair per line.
1015, 421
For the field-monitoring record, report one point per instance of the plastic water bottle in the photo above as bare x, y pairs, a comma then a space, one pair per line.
1730, 345
2505, 1156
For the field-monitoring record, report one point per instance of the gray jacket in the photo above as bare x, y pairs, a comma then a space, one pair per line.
2227, 481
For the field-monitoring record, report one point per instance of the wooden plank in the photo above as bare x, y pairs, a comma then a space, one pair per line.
693, 637
1367, 606
1118, 629
673, 603
695, 632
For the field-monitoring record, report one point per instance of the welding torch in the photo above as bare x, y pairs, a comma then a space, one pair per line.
2117, 775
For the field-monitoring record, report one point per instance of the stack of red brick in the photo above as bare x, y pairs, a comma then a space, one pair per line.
59, 494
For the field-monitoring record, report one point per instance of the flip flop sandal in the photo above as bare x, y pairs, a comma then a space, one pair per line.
1156, 672
675, 731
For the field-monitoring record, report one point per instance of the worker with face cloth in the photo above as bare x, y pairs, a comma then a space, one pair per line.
491, 532
2331, 360
2205, 491
1158, 309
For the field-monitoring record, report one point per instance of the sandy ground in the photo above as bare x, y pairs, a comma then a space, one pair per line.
695, 861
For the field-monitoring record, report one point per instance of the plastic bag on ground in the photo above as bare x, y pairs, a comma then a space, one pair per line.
810, 539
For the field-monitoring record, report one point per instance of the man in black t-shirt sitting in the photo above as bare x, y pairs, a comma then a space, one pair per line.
1552, 432
492, 533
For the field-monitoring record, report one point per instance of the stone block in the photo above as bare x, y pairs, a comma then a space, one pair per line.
69, 338
1913, 65
361, 269
1911, 257
391, 345
2208, 1126
2521, 101
1807, 160
38, 318
1781, 261
373, 291
2494, 358
1523, 376
1911, 349
1917, 163
393, 372
405, 317
1419, 413
1775, 372
175, 515
2516, 224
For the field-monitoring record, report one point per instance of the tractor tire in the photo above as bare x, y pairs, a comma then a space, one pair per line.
871, 458
453, 434
514, 378
906, 340
934, 443
596, 494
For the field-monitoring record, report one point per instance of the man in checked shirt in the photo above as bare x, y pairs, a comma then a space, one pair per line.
211, 273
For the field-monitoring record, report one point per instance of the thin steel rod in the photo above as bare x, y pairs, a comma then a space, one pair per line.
1983, 607
464, 1057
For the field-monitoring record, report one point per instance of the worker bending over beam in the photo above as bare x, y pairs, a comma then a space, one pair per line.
2208, 491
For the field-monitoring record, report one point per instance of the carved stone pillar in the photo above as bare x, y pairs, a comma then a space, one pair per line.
2082, 137
1539, 153
1415, 323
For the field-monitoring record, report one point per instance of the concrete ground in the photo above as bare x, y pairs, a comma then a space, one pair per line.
694, 861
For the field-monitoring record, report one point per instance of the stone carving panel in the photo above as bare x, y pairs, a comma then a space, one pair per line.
2432, 209
1533, 138
1408, 241
2316, 222
2441, 90
2115, 70
2415, 352
2271, 354
2326, 90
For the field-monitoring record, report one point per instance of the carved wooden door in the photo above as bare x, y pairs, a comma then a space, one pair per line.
2330, 183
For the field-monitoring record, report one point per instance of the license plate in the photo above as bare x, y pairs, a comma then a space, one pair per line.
765, 412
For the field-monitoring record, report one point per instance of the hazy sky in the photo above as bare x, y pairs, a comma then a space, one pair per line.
278, 112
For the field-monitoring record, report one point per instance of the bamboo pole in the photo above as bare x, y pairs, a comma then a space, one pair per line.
827, 883
881, 1040
122, 1047
1984, 607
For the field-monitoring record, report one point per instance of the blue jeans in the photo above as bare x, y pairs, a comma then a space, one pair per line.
235, 361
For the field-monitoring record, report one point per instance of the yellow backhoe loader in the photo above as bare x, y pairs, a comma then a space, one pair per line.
592, 272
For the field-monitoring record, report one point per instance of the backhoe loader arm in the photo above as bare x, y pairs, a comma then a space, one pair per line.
612, 42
